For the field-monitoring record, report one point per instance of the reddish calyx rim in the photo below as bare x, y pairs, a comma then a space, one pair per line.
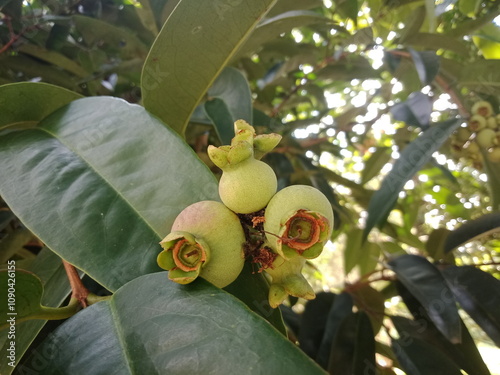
188, 256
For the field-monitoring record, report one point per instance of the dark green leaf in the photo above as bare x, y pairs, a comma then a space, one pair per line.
229, 99
24, 294
218, 112
349, 9
100, 182
232, 87
413, 24
418, 358
375, 163
117, 40
313, 322
437, 41
153, 326
195, 33
424, 281
252, 288
415, 111
49, 268
353, 350
465, 355
283, 6
341, 309
43, 98
478, 293
426, 63
473, 229
271, 28
412, 158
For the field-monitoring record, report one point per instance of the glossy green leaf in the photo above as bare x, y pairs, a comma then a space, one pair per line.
12, 242
483, 226
437, 41
412, 158
424, 281
49, 268
195, 44
153, 326
375, 163
426, 63
478, 293
283, 6
43, 98
100, 182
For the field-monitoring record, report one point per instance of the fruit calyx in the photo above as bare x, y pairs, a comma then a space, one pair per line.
183, 256
287, 279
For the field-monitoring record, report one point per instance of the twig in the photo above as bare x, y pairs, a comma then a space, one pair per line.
79, 292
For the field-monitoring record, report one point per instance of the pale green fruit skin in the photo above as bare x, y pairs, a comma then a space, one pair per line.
494, 155
286, 203
485, 138
482, 108
247, 186
221, 230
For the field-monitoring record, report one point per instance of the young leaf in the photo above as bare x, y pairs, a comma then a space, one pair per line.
176, 74
100, 182
412, 158
153, 326
43, 98
473, 229
424, 281
478, 293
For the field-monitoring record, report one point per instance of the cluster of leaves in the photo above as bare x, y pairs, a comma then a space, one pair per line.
98, 181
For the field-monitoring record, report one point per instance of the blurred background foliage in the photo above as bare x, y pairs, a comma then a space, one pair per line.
348, 83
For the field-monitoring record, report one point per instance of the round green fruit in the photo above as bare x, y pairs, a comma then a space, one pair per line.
482, 108
298, 222
207, 241
247, 186
485, 138
477, 122
494, 155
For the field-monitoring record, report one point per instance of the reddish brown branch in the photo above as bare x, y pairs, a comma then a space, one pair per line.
79, 292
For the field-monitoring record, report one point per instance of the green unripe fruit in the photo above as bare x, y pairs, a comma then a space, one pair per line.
207, 241
494, 155
491, 122
485, 138
288, 280
247, 186
463, 135
482, 108
298, 222
476, 123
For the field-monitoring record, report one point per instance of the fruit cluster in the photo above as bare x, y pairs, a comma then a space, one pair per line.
278, 231
482, 133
